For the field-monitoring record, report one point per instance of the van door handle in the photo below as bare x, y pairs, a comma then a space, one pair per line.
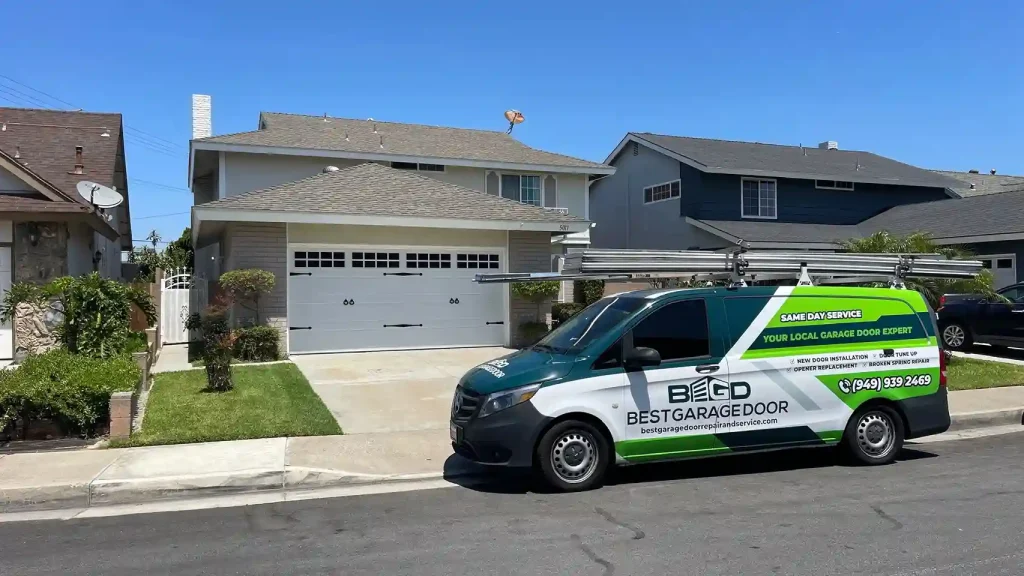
707, 369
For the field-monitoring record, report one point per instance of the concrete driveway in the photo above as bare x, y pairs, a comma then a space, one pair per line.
391, 391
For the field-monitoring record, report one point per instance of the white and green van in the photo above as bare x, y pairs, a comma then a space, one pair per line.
658, 375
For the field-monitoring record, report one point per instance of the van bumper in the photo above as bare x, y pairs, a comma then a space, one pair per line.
505, 438
926, 415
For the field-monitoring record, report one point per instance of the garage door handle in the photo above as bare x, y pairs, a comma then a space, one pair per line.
490, 323
347, 302
403, 273
300, 274
453, 300
402, 325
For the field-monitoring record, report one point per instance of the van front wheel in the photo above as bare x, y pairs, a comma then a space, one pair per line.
573, 456
874, 435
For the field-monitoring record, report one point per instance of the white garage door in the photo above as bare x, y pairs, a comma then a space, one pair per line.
344, 298
1003, 268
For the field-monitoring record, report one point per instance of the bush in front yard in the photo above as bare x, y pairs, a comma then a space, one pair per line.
256, 343
72, 389
530, 332
562, 311
587, 292
218, 346
247, 287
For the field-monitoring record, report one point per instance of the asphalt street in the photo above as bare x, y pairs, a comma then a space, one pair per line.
945, 509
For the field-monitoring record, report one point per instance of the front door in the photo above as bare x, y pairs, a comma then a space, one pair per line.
672, 409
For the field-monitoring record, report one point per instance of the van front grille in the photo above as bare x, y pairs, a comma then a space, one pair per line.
464, 405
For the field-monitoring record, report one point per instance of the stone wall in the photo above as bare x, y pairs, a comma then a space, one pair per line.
38, 263
47, 259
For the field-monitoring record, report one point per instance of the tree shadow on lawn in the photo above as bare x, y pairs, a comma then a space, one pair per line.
499, 480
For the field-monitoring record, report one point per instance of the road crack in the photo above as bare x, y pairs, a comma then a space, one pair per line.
638, 534
609, 568
896, 524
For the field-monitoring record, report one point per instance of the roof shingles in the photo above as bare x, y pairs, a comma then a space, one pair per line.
374, 137
374, 190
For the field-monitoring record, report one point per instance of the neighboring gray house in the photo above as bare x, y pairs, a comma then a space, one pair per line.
681, 193
376, 229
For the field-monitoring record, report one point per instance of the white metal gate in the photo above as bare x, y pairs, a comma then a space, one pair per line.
181, 293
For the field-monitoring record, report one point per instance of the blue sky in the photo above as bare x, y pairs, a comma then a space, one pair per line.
935, 84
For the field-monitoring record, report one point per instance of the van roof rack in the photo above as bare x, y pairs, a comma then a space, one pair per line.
742, 264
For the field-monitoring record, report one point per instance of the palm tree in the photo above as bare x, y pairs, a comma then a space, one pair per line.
920, 243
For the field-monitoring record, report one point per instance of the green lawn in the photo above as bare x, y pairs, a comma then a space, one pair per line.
266, 402
971, 374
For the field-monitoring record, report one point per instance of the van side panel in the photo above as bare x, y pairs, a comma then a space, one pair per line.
828, 350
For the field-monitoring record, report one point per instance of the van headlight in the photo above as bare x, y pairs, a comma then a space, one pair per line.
508, 398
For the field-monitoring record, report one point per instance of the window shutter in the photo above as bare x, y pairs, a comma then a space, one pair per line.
492, 183
550, 196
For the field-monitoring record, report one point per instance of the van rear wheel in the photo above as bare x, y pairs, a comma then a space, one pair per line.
573, 456
874, 435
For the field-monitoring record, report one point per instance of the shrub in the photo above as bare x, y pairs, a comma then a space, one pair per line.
217, 347
587, 292
256, 343
97, 311
137, 342
562, 311
247, 287
530, 332
73, 390
536, 292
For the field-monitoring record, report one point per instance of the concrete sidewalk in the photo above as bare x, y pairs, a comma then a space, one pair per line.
96, 477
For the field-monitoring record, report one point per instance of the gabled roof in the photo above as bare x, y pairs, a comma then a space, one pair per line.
963, 220
45, 141
374, 140
973, 184
374, 190
781, 161
762, 234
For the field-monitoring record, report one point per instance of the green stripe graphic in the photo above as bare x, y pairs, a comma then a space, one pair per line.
647, 449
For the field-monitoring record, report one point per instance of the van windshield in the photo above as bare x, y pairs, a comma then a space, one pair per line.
592, 322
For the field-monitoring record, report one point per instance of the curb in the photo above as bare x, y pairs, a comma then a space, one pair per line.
150, 490
986, 419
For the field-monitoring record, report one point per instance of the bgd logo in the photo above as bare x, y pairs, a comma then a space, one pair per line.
708, 390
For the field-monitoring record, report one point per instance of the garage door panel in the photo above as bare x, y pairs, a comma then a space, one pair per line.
383, 298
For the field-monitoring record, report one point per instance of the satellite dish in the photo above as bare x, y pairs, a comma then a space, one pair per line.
99, 195
329, 169
514, 117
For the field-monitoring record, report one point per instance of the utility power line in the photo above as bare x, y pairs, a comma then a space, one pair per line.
159, 215
159, 185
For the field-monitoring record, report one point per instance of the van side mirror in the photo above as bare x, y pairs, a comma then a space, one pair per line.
642, 356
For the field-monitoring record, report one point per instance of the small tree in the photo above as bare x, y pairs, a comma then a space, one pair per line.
587, 292
919, 243
539, 293
218, 343
247, 287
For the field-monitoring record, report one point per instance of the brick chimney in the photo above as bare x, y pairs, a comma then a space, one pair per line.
202, 119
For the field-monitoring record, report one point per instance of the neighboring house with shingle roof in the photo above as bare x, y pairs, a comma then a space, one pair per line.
672, 192
47, 229
325, 203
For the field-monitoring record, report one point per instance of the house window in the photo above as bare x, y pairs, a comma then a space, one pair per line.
420, 167
375, 260
319, 260
477, 261
525, 189
833, 185
423, 260
758, 199
660, 192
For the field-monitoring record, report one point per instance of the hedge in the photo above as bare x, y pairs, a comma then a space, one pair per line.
71, 389
257, 343
562, 311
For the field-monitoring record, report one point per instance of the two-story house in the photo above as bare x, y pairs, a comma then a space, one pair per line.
375, 230
678, 193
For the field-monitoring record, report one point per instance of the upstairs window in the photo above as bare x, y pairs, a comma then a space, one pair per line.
524, 188
833, 185
659, 192
757, 199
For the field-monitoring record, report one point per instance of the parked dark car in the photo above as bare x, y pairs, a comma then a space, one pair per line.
966, 319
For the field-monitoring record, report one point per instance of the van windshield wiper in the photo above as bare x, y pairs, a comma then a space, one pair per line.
543, 347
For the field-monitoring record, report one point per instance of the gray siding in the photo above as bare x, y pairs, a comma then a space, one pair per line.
624, 221
262, 246
527, 252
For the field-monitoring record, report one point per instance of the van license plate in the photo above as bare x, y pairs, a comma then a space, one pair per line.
455, 432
